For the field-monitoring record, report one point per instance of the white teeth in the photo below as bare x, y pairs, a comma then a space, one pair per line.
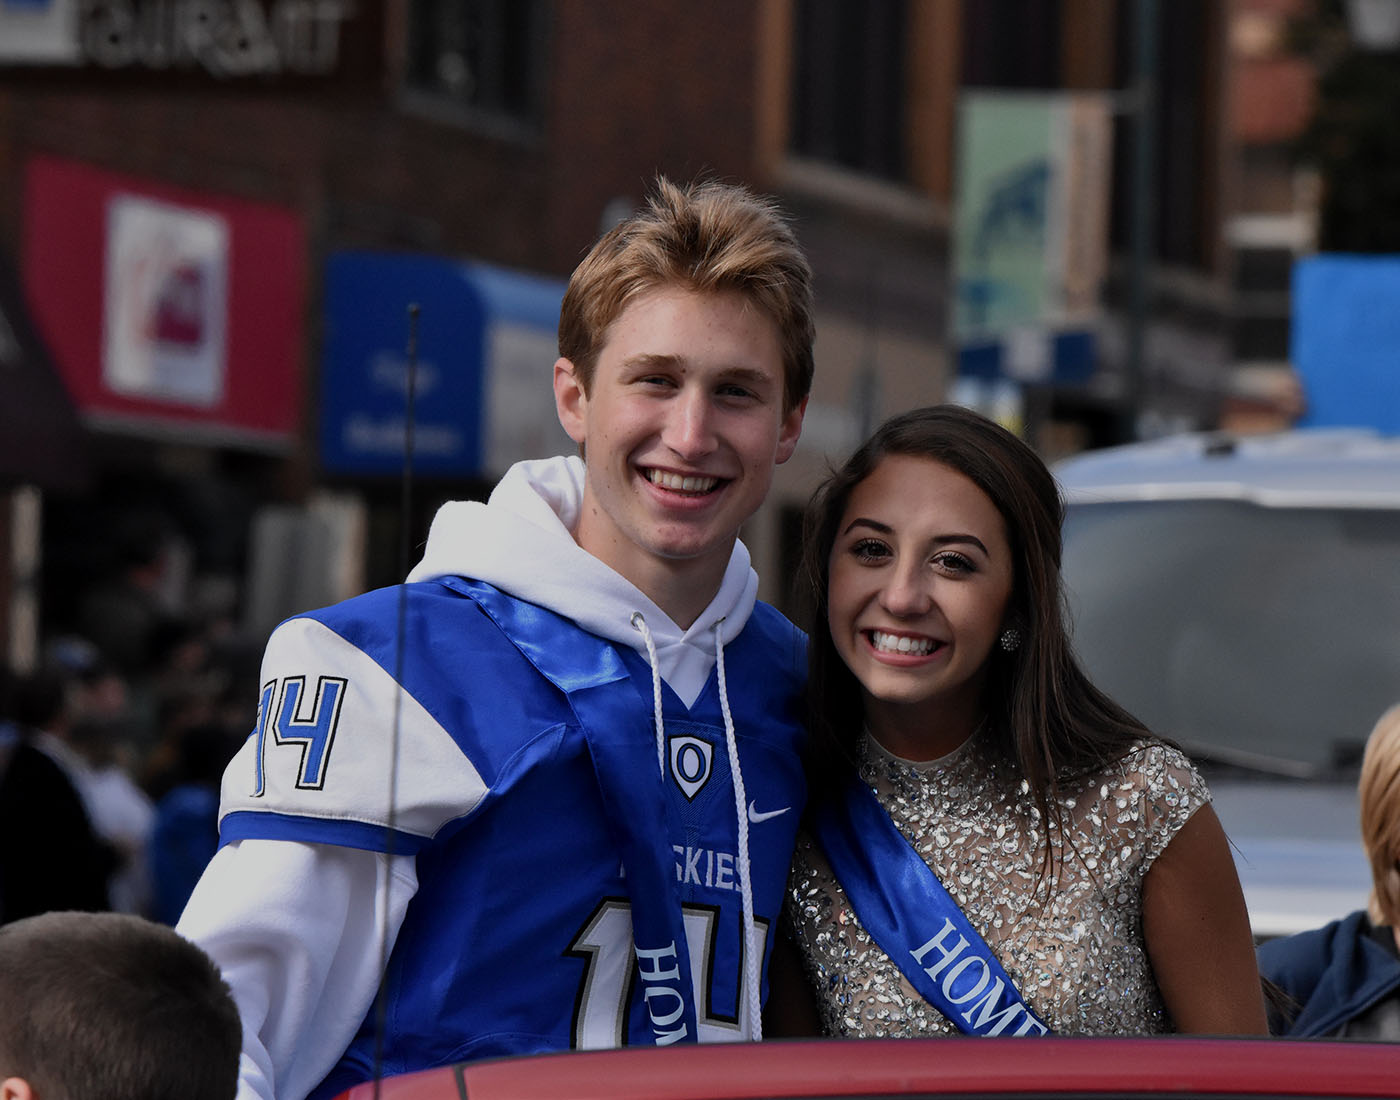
897, 643
681, 484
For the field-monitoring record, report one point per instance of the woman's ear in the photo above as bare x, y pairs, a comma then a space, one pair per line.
17, 1088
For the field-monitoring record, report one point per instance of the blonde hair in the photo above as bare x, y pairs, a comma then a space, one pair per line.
707, 237
1380, 816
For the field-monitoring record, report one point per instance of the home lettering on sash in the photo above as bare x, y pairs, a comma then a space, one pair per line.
665, 1002
984, 994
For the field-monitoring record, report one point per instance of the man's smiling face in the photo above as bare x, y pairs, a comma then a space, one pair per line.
683, 423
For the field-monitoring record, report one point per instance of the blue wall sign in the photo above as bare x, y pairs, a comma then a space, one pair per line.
465, 307
1346, 340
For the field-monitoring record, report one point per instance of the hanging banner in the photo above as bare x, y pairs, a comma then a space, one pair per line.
1030, 243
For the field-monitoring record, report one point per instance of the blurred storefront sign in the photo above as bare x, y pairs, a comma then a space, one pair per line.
484, 352
277, 41
1030, 244
1346, 340
41, 441
169, 313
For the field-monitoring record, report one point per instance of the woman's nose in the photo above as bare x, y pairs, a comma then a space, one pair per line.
907, 592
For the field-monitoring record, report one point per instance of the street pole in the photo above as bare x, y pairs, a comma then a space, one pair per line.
1143, 210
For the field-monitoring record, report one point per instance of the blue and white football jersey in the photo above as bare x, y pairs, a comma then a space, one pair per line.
459, 744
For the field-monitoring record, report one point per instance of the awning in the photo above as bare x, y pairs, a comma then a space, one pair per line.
41, 441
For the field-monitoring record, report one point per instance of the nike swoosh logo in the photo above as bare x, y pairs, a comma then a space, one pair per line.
756, 815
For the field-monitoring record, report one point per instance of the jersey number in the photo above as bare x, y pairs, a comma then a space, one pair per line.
294, 721
605, 945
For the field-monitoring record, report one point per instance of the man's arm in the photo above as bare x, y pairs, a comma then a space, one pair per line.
296, 930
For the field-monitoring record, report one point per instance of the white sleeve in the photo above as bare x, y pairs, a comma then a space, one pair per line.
296, 930
343, 753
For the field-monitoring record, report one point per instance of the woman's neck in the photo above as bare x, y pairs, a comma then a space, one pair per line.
919, 739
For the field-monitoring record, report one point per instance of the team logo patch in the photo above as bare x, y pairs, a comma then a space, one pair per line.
691, 762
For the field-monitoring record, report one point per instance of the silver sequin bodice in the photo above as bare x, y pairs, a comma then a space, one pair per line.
1072, 941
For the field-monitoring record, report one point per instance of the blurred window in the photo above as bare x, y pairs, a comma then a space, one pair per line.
1263, 632
1186, 42
486, 56
849, 78
1012, 44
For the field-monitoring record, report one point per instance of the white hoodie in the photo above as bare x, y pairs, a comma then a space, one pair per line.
521, 541
296, 928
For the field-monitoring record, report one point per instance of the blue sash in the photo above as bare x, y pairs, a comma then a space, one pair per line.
912, 918
642, 823
616, 723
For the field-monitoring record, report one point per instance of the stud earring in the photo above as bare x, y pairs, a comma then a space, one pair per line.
1010, 639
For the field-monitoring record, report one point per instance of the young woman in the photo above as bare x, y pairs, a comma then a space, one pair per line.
994, 846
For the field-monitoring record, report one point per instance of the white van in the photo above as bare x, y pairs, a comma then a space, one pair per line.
1242, 597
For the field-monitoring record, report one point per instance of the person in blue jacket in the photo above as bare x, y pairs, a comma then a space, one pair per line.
556, 776
1344, 979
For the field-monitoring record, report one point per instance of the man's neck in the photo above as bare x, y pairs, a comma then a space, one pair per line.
681, 589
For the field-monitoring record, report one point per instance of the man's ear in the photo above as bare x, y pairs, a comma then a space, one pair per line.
570, 402
790, 430
17, 1088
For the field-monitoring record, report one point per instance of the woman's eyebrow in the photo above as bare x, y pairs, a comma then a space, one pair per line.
940, 540
873, 524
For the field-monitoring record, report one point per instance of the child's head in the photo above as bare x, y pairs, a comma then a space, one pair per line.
107, 1006
1380, 815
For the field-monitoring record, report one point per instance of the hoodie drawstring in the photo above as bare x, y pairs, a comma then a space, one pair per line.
749, 952
639, 623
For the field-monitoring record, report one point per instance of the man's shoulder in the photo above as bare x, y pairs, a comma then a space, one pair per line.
775, 640
381, 620
769, 621
378, 604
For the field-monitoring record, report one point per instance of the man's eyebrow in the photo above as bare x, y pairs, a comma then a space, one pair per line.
940, 540
751, 376
646, 360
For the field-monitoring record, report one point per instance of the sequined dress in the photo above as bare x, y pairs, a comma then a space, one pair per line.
1078, 958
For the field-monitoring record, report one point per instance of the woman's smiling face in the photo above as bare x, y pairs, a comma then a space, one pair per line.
921, 577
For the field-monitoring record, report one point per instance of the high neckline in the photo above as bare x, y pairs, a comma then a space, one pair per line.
877, 752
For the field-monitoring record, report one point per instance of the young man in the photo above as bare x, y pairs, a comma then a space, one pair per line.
109, 1006
556, 776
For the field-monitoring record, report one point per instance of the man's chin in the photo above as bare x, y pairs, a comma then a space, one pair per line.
698, 547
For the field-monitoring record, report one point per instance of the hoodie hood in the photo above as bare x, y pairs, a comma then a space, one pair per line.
521, 541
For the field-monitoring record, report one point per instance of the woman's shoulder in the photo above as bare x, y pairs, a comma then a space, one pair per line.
1150, 755
1153, 770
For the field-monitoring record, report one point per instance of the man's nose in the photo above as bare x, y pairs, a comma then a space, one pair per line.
689, 430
